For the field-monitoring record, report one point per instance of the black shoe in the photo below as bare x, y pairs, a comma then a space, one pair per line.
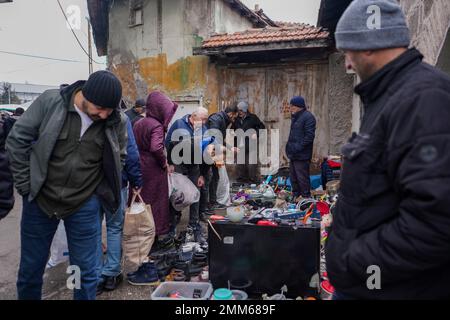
112, 283
100, 288
219, 206
183, 265
163, 245
200, 260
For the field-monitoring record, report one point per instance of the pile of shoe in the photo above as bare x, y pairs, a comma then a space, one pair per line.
185, 260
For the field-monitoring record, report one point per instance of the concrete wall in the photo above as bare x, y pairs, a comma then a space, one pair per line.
429, 21
342, 118
227, 20
444, 57
157, 55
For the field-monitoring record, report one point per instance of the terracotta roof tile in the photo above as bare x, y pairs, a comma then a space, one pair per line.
298, 32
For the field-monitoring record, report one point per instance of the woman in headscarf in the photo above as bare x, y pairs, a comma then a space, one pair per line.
150, 133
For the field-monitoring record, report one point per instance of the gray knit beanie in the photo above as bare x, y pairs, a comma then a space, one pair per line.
243, 106
372, 25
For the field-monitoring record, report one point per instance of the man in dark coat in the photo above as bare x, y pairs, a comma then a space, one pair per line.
247, 122
9, 122
220, 122
6, 180
66, 155
299, 147
391, 229
137, 112
189, 130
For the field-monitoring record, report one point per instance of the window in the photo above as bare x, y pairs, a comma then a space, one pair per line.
136, 13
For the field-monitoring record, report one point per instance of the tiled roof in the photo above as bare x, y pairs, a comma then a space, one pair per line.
299, 32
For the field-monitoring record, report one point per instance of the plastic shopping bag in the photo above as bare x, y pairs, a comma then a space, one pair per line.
182, 192
59, 251
223, 188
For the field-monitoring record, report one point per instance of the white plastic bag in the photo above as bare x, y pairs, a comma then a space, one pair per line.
182, 192
59, 251
223, 187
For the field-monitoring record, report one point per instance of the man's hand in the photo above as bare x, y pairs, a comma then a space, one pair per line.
170, 169
201, 182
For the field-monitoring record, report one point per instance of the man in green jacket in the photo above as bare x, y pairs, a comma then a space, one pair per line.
66, 154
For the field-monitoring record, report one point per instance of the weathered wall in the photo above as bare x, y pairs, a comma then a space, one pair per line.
158, 53
227, 20
269, 90
340, 97
428, 21
444, 58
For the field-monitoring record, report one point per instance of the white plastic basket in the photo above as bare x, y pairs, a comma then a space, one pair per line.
185, 289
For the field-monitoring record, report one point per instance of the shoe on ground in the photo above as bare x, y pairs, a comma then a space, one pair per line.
219, 206
199, 236
146, 276
163, 245
112, 283
101, 286
132, 274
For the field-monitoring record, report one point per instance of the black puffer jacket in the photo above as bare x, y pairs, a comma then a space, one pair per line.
6, 180
394, 206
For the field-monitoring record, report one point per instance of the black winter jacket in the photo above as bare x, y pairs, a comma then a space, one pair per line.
393, 211
219, 121
251, 121
6, 179
301, 138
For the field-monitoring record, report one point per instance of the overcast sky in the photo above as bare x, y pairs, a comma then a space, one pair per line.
38, 28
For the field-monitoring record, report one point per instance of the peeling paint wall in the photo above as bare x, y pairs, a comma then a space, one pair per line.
269, 90
429, 21
159, 53
341, 102
227, 20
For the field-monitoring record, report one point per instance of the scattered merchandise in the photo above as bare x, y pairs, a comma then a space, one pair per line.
182, 192
185, 265
236, 214
183, 291
223, 294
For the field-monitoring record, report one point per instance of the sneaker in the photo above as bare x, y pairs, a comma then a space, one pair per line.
147, 277
199, 236
132, 274
112, 283
190, 235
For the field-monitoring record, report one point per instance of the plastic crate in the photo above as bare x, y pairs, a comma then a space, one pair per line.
185, 289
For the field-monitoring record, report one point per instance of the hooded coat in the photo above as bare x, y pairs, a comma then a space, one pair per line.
149, 134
